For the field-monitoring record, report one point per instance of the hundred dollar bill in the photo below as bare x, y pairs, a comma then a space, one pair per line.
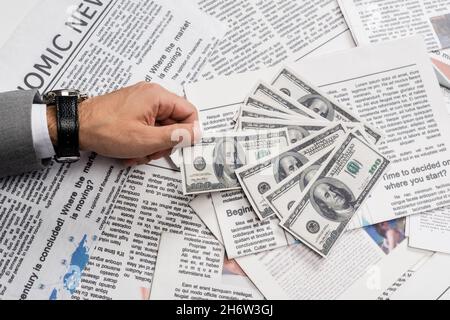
255, 103
258, 178
284, 195
251, 112
248, 110
254, 108
335, 193
272, 97
210, 165
292, 85
297, 129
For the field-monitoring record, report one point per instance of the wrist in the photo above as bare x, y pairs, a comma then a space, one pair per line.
84, 114
83, 111
52, 124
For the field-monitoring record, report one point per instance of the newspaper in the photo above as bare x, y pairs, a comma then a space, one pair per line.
195, 268
365, 266
123, 263
407, 276
430, 282
58, 213
242, 232
377, 21
430, 231
50, 221
331, 36
357, 269
265, 33
446, 94
204, 208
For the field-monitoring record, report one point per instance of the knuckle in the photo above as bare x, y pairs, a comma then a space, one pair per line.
148, 86
141, 84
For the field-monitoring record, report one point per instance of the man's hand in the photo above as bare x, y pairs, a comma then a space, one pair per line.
139, 124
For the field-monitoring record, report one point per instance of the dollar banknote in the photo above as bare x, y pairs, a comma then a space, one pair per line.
284, 195
335, 193
253, 102
297, 129
258, 178
274, 98
300, 90
250, 112
210, 165
254, 108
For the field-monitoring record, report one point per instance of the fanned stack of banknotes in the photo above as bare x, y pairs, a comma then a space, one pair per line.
297, 154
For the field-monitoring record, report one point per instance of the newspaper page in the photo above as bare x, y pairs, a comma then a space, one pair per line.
58, 213
380, 20
410, 111
242, 231
368, 264
264, 32
359, 268
430, 231
195, 268
430, 282
122, 265
49, 222
446, 94
204, 208
407, 276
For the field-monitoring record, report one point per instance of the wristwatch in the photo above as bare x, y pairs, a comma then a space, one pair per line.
66, 102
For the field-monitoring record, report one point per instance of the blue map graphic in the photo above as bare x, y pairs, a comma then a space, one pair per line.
54, 295
78, 262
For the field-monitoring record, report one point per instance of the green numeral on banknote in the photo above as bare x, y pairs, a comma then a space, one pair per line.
375, 166
353, 167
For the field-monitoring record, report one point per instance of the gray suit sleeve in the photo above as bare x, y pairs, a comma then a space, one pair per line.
17, 154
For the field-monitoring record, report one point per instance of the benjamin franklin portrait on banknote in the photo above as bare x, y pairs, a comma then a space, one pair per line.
228, 156
287, 164
307, 175
296, 134
332, 199
319, 105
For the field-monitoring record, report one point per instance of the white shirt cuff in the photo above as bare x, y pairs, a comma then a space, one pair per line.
41, 138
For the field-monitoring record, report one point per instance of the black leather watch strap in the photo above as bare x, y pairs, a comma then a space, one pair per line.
68, 147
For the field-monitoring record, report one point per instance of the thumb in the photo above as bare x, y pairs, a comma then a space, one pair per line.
177, 135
